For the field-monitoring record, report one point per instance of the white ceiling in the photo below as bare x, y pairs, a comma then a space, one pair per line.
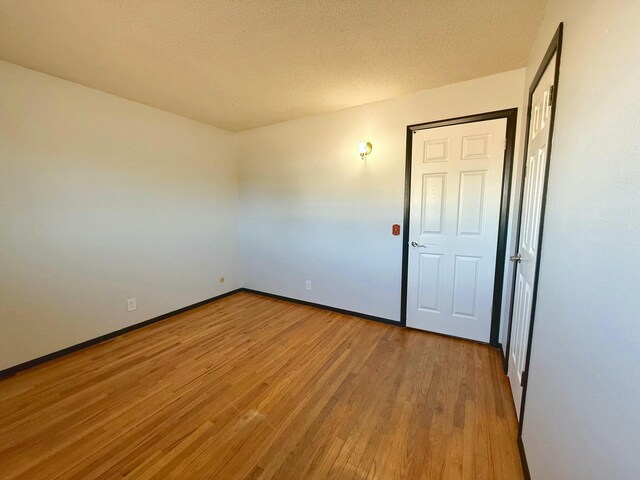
239, 64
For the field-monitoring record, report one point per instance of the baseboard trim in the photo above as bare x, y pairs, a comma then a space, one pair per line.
505, 365
325, 307
108, 336
523, 459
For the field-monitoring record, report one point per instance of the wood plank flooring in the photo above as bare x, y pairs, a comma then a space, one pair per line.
251, 388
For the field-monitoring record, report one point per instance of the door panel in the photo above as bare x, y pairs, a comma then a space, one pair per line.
470, 206
530, 222
465, 285
433, 199
430, 272
456, 188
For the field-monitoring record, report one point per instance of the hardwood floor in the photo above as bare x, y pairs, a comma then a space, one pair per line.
251, 387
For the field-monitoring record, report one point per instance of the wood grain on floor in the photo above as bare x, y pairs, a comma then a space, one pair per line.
250, 387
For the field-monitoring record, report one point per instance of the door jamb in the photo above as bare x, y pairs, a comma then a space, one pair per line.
512, 116
555, 48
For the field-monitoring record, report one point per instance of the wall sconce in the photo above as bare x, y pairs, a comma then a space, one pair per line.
364, 148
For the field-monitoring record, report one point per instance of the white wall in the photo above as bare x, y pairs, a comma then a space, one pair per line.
582, 417
312, 210
102, 199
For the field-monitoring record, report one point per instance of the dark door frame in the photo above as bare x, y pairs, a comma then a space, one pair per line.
555, 48
512, 118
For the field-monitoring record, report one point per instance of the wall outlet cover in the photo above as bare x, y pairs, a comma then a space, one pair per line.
131, 304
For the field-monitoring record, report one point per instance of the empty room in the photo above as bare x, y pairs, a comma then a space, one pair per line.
329, 239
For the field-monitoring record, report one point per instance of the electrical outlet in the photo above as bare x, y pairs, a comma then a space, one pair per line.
308, 285
131, 304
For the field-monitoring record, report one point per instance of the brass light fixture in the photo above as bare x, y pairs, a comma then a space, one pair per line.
364, 148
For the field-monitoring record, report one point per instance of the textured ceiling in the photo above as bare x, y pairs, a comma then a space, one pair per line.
239, 64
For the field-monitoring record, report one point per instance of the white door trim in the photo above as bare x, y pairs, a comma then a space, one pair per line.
511, 116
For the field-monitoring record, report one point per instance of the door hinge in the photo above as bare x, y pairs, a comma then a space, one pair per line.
523, 378
551, 92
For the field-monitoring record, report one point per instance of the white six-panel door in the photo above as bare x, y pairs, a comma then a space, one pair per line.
530, 217
456, 183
